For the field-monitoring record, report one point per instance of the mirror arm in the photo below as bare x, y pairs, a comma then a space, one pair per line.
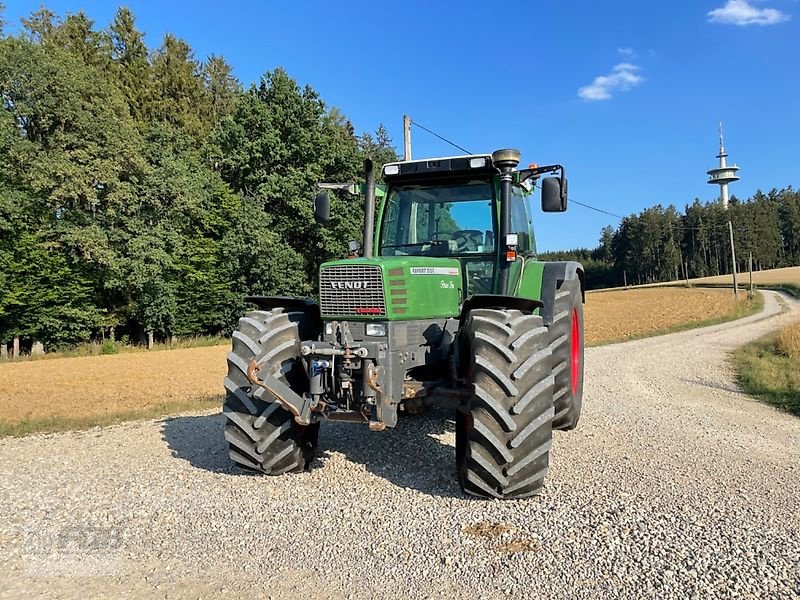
535, 172
350, 188
525, 174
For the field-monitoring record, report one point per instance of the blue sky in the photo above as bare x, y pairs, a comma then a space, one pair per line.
526, 76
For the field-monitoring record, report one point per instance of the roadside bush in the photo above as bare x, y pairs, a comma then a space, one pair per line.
788, 342
109, 347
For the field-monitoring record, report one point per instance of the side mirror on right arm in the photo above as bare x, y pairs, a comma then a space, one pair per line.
554, 194
322, 208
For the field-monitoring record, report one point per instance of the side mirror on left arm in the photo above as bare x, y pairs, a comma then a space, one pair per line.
322, 208
554, 194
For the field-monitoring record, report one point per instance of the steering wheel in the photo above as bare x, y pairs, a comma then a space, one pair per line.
467, 239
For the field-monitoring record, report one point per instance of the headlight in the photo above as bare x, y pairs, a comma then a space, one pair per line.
328, 328
376, 329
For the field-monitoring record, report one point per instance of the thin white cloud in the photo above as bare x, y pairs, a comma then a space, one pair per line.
741, 12
628, 53
623, 77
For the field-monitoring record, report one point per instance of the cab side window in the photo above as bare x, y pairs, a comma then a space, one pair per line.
520, 222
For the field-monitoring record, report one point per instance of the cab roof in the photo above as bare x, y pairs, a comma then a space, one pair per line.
444, 167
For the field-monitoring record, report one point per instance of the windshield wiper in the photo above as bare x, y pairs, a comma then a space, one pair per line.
431, 242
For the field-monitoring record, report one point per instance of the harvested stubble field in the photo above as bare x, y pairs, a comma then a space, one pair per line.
65, 393
68, 393
772, 277
629, 314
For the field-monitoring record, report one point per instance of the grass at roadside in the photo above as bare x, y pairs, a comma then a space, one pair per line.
55, 423
769, 368
789, 288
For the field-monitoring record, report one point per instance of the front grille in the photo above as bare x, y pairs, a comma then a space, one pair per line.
352, 290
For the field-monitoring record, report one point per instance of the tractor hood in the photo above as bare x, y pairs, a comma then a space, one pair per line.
393, 288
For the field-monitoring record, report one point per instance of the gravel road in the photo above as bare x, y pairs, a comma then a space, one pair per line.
674, 485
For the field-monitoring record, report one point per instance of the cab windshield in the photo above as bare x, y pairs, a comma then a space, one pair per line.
439, 220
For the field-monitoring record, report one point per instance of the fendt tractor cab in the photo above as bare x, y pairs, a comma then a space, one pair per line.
447, 306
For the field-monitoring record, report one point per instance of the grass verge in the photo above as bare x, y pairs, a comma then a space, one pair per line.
769, 368
744, 308
789, 288
69, 423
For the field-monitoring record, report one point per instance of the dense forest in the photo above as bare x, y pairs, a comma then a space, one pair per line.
144, 191
662, 244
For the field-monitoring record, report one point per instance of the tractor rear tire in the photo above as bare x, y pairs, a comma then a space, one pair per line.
566, 342
504, 431
263, 436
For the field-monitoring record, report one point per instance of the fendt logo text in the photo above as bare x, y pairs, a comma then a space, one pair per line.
349, 285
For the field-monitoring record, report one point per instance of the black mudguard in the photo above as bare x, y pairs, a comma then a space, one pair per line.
554, 274
497, 301
269, 302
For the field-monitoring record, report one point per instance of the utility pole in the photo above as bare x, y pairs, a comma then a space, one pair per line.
686, 272
733, 259
751, 274
722, 176
406, 137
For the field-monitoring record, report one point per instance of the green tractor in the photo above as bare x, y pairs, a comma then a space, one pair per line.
447, 306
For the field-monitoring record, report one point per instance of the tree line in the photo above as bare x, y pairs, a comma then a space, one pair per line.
663, 244
145, 192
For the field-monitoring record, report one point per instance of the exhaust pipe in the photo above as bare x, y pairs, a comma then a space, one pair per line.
369, 208
505, 160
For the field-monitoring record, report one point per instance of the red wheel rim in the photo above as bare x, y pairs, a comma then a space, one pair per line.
575, 355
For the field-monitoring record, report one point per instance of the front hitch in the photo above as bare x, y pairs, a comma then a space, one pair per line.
320, 359
283, 394
373, 390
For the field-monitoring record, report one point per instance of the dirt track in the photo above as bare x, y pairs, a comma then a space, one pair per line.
674, 484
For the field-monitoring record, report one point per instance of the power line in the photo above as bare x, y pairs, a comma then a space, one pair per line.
600, 210
444, 139
589, 206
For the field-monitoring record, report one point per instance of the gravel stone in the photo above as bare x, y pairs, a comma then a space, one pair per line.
674, 485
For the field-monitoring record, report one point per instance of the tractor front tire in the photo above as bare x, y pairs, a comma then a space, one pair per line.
504, 430
566, 343
263, 436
